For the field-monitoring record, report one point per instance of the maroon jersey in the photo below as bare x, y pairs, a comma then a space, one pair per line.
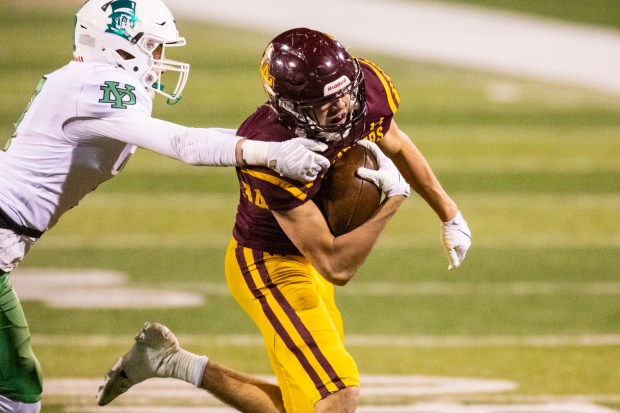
264, 190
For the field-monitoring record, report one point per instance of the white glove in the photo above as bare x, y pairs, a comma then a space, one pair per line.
296, 158
456, 239
387, 177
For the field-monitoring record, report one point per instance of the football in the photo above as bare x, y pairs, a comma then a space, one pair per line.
345, 200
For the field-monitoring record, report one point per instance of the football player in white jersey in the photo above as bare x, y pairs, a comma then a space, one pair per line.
80, 128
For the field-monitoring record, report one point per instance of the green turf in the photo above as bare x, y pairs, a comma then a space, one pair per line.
594, 12
536, 176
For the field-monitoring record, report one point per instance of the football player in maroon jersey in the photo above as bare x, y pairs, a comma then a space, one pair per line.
282, 262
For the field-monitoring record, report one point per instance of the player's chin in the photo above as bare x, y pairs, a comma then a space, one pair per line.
337, 120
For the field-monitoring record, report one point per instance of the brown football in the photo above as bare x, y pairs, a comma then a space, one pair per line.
346, 200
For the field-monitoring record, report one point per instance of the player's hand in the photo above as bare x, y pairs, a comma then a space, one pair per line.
387, 177
297, 158
456, 239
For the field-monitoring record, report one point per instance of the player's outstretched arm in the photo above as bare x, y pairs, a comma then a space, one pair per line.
298, 158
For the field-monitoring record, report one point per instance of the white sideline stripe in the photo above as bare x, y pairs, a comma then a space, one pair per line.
247, 340
451, 34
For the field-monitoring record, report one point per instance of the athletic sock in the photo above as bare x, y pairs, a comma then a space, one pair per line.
185, 366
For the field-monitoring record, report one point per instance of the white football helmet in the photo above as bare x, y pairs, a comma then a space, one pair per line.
132, 35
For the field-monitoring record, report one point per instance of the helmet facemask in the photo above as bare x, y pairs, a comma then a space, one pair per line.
303, 113
156, 48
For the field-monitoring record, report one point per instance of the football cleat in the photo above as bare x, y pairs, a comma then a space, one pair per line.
155, 345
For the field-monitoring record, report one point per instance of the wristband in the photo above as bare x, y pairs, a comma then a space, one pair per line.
254, 152
458, 218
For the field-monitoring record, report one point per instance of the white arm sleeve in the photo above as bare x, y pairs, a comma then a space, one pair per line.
196, 146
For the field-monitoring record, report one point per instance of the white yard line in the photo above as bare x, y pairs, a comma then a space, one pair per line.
518, 288
93, 288
415, 408
438, 407
172, 396
353, 340
482, 341
432, 31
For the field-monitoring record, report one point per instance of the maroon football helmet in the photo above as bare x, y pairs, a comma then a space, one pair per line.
302, 69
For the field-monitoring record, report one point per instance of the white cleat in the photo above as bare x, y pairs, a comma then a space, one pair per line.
154, 346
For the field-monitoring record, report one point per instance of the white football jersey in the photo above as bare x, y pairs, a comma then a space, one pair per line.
43, 171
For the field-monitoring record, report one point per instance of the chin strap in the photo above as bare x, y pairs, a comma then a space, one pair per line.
169, 101
172, 102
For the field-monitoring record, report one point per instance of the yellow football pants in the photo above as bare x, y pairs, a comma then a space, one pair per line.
294, 308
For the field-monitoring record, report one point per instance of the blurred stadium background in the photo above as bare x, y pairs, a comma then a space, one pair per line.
530, 323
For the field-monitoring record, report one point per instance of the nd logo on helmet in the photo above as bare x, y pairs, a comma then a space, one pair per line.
123, 17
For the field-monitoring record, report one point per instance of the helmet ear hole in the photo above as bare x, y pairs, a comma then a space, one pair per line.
150, 78
124, 54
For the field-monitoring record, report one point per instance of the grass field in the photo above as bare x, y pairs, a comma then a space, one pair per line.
534, 310
603, 13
